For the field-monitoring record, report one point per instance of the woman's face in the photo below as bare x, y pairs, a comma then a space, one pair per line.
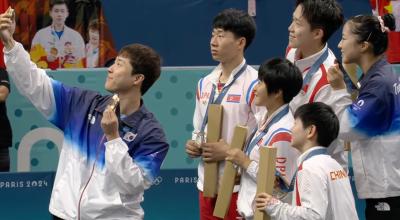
261, 94
349, 45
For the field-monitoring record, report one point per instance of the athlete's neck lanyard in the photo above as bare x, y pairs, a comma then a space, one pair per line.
275, 119
313, 153
314, 68
220, 96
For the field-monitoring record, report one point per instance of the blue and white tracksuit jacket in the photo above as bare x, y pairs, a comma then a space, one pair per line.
372, 124
123, 167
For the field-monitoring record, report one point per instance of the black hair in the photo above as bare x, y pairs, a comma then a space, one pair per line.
324, 14
109, 62
144, 60
58, 2
323, 118
281, 74
94, 25
368, 28
238, 22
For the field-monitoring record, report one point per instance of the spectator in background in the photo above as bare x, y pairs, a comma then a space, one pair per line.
49, 44
6, 133
5, 127
92, 47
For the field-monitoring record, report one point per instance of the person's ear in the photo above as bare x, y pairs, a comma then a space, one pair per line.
311, 131
365, 46
241, 42
318, 33
279, 94
138, 79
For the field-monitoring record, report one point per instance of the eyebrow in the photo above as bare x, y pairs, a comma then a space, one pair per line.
218, 31
121, 59
295, 18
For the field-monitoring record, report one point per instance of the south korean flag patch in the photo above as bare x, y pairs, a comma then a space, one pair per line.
129, 136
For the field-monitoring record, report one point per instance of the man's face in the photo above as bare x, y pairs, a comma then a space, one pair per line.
300, 34
59, 14
299, 134
224, 45
119, 77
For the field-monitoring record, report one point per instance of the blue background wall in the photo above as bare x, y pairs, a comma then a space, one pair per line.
180, 29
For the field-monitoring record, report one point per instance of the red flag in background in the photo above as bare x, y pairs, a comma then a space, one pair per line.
26, 19
381, 7
3, 7
107, 51
89, 21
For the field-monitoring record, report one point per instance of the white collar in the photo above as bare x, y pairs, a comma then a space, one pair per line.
306, 153
266, 120
215, 74
307, 62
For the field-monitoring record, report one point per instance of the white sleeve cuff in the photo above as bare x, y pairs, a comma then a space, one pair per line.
340, 92
252, 170
13, 50
116, 145
194, 136
272, 208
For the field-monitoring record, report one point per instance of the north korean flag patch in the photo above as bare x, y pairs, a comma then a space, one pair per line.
233, 98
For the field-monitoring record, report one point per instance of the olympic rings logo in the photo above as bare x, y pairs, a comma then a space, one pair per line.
158, 181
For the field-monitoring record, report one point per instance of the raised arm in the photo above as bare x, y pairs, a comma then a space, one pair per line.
31, 81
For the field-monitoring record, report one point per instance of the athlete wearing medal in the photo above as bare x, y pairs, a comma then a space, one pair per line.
230, 84
321, 186
64, 46
279, 82
314, 22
